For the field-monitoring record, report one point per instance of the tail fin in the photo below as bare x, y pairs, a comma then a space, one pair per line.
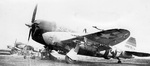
131, 43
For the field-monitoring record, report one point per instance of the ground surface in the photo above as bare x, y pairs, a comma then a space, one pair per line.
14, 60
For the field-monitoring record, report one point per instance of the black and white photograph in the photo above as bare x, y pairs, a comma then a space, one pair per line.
74, 32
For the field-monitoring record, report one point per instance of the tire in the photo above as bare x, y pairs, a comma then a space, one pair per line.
69, 60
25, 57
119, 62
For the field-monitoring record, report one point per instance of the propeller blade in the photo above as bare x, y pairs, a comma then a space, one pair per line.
29, 34
96, 28
28, 25
34, 14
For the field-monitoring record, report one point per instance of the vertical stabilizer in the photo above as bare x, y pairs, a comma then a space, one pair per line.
131, 43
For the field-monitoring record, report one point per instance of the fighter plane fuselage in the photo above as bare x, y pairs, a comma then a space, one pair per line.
50, 34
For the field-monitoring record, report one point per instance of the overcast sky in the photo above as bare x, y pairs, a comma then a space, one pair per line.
133, 15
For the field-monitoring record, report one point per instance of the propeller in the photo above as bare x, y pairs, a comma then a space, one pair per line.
97, 28
34, 14
32, 26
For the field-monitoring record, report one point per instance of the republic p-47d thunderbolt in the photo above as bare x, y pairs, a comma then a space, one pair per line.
71, 43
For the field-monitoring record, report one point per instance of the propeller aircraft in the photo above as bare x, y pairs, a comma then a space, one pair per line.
71, 43
19, 47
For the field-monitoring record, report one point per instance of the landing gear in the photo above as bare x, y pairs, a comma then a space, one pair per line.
119, 61
24, 57
69, 60
46, 54
43, 55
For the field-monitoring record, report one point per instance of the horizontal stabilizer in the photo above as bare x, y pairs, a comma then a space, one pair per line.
140, 54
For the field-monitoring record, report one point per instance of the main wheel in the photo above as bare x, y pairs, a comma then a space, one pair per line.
119, 62
24, 57
69, 60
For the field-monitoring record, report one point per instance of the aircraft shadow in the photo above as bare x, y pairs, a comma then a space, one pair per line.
105, 63
85, 63
5, 54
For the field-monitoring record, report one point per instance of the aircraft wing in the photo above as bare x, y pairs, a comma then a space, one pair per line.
136, 53
109, 37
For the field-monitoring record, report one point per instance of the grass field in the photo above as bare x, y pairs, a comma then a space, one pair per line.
14, 60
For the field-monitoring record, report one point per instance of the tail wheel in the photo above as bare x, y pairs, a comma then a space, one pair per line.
69, 60
119, 62
25, 57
